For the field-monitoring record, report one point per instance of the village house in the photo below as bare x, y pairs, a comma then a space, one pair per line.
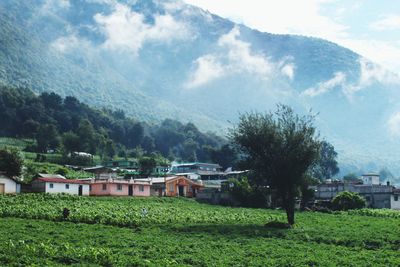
375, 194
49, 183
395, 200
173, 186
8, 185
123, 164
205, 171
101, 172
119, 187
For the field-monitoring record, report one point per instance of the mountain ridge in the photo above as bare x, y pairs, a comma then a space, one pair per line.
166, 59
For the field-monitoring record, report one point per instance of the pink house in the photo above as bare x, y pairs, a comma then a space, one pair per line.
115, 187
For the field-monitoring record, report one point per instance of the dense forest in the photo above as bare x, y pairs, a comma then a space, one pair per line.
67, 125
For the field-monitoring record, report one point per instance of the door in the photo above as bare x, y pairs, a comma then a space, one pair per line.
194, 191
130, 190
2, 188
181, 191
80, 189
160, 192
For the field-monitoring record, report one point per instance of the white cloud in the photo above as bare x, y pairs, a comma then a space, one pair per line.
338, 80
127, 30
235, 56
393, 124
306, 18
241, 56
284, 16
388, 22
66, 44
369, 74
207, 70
386, 54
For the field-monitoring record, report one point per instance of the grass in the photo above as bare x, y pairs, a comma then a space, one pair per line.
32, 168
16, 143
179, 232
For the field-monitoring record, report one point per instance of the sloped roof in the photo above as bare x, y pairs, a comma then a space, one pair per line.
45, 175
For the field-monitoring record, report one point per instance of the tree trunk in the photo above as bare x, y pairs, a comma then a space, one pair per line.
289, 207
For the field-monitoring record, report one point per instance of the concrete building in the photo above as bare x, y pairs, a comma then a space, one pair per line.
370, 179
395, 200
8, 185
173, 186
119, 187
54, 185
376, 195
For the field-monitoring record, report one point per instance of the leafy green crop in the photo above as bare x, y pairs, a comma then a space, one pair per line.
112, 231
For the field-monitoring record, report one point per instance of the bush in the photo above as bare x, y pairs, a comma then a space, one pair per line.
348, 201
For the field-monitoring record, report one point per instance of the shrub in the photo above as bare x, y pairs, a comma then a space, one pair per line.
348, 201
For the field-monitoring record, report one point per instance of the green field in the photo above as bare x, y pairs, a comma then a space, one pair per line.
173, 231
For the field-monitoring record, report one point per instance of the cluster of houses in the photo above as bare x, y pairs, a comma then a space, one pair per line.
376, 194
201, 180
185, 180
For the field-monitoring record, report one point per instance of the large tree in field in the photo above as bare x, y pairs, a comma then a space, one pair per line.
279, 147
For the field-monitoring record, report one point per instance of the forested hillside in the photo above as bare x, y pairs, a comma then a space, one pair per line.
68, 125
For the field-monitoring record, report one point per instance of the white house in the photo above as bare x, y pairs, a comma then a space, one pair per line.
60, 185
395, 200
8, 185
370, 178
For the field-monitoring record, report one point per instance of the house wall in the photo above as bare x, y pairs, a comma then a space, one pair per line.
38, 187
10, 186
172, 187
370, 179
112, 190
144, 193
377, 200
61, 188
395, 204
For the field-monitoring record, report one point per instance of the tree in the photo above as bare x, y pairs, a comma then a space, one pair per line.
279, 148
87, 136
326, 165
10, 162
225, 156
147, 164
351, 177
110, 149
71, 142
47, 137
348, 201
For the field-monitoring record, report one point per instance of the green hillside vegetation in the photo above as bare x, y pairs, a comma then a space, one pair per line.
48, 122
172, 231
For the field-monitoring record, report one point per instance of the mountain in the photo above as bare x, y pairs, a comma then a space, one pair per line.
166, 59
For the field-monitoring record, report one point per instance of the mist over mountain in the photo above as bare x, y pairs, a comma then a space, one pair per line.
165, 59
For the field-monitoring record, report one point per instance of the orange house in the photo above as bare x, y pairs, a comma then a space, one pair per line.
173, 186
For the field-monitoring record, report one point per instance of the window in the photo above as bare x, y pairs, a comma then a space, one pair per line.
104, 187
141, 188
51, 185
119, 187
396, 198
171, 188
66, 186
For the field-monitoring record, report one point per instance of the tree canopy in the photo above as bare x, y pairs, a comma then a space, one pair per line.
10, 162
279, 147
326, 166
67, 125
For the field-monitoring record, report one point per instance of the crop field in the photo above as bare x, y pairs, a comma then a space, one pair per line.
181, 232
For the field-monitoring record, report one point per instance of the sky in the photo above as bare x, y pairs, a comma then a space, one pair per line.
371, 28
